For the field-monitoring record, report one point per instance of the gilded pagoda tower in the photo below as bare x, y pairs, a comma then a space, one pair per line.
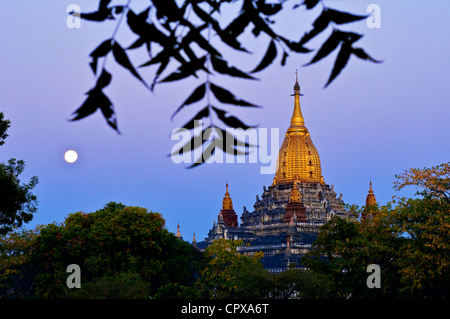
285, 221
298, 157
371, 203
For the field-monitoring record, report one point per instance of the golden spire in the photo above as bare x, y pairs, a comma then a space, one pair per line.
298, 155
297, 120
371, 199
227, 203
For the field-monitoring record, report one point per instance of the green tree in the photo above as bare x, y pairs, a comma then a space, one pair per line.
17, 202
344, 250
408, 238
425, 222
16, 270
229, 274
204, 38
111, 241
176, 291
4, 125
300, 284
122, 286
221, 277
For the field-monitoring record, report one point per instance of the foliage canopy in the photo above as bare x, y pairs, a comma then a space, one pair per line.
190, 38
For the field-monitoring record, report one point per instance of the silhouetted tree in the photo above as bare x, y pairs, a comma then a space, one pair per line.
17, 203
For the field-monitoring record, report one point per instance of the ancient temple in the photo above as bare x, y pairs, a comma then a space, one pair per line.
285, 221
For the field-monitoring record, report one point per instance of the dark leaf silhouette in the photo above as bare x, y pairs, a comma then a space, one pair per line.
195, 142
235, 29
230, 121
206, 154
199, 116
118, 9
283, 60
227, 97
295, 46
168, 9
327, 16
340, 17
102, 50
191, 38
230, 144
310, 3
122, 58
103, 80
187, 69
360, 53
268, 58
341, 61
89, 106
194, 35
221, 66
260, 24
337, 37
349, 37
319, 25
269, 8
147, 32
98, 100
327, 47
196, 96
102, 14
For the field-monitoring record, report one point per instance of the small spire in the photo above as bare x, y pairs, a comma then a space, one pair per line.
227, 203
178, 234
371, 199
194, 242
296, 86
295, 194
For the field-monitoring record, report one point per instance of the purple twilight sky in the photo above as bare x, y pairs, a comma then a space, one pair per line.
373, 121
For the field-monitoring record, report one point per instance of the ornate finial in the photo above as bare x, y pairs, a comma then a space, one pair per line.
296, 86
295, 194
371, 202
178, 234
227, 203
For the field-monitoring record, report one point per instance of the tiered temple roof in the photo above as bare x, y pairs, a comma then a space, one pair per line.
285, 221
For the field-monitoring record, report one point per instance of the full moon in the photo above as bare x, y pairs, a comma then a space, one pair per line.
71, 156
